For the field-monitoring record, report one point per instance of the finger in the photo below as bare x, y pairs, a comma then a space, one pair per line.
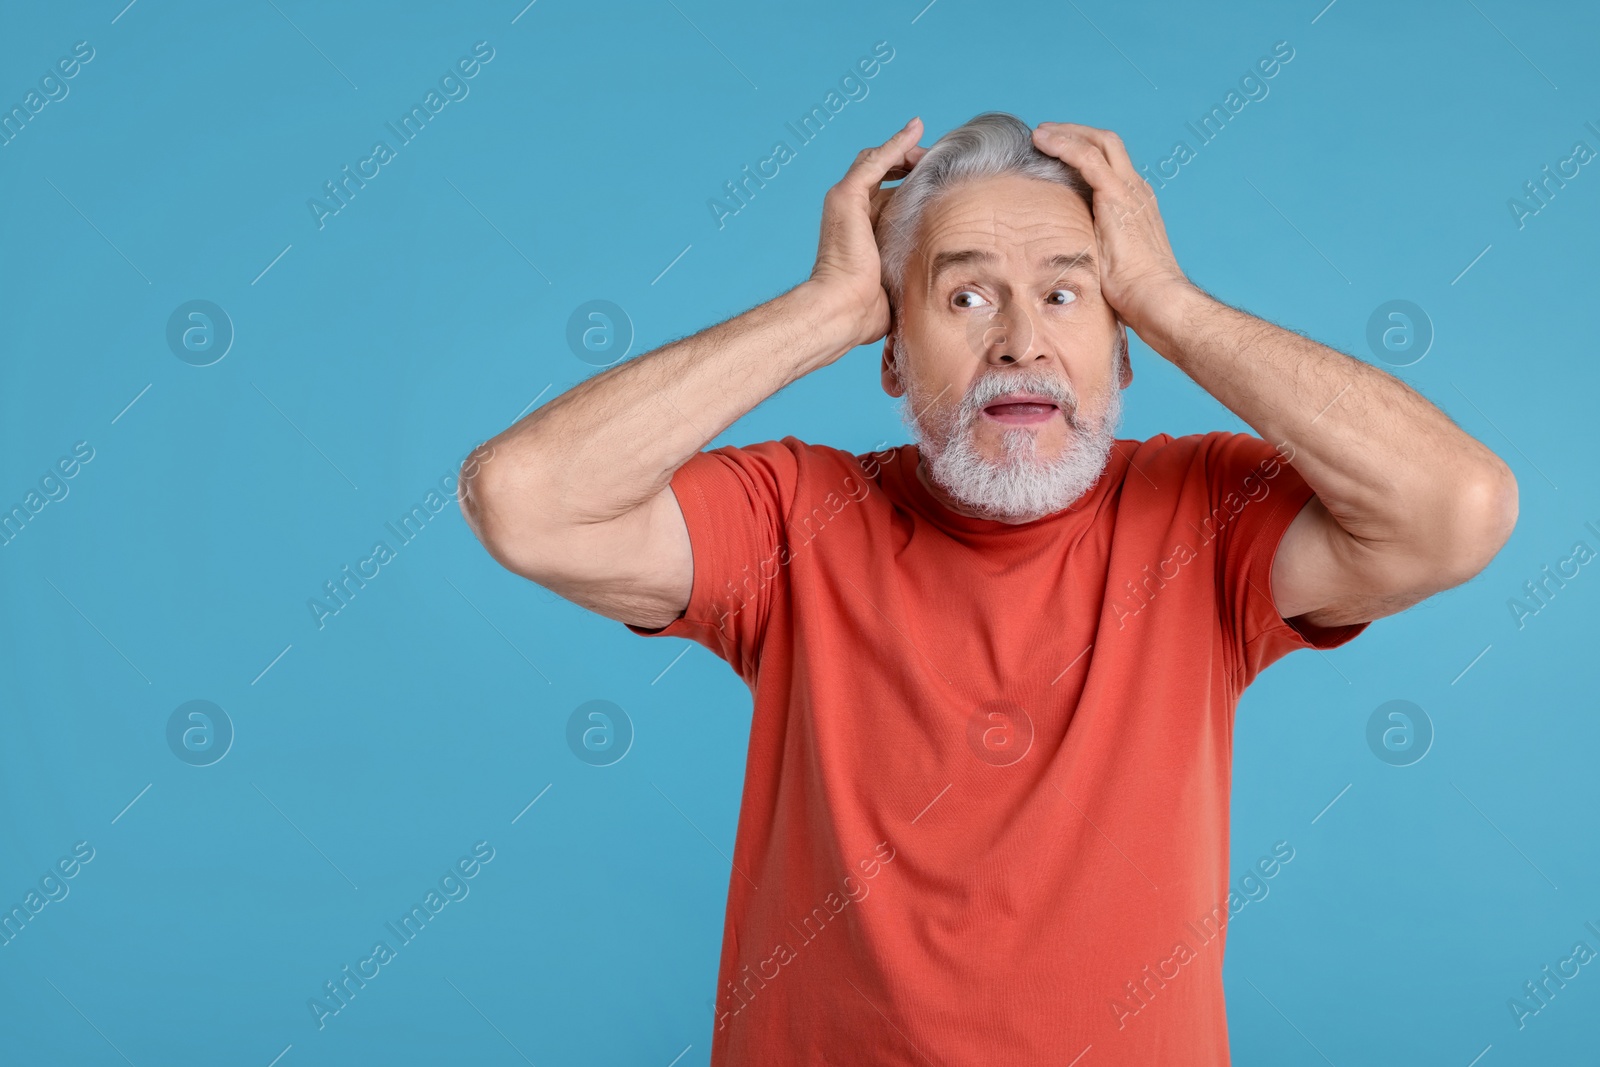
1112, 149
1082, 153
1108, 142
1087, 149
873, 164
876, 201
913, 157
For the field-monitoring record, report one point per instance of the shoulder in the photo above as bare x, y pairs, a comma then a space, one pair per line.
1157, 462
806, 458
787, 449
786, 470
1206, 454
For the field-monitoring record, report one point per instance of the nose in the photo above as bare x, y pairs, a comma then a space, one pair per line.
1010, 337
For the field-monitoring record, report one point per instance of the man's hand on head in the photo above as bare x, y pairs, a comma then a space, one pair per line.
1138, 271
848, 266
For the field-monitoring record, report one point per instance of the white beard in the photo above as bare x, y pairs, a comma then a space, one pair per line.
1021, 486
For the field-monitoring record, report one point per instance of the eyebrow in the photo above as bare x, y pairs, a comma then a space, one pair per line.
1062, 262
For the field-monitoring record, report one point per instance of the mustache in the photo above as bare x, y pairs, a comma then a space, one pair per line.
992, 386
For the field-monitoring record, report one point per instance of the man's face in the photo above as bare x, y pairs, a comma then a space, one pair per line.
1005, 351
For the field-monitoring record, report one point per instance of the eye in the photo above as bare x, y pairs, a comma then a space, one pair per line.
1067, 293
971, 293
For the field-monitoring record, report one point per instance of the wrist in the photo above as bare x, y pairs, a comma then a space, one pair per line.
832, 316
1164, 319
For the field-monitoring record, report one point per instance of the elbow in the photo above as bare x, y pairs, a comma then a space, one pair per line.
1486, 517
472, 487
495, 495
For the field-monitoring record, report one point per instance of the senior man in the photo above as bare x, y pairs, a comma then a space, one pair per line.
994, 673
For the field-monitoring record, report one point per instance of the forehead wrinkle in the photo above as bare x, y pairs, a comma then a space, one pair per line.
1002, 235
978, 222
1029, 213
1058, 263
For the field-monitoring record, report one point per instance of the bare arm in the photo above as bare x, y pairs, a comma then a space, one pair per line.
577, 495
1407, 504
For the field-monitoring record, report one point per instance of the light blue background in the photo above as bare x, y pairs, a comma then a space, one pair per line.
428, 713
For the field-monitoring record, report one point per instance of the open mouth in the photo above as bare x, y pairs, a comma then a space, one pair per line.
1021, 410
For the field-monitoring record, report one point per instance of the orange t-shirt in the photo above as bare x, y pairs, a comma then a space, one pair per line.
985, 811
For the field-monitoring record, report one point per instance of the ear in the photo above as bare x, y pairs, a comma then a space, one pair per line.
1125, 363
890, 371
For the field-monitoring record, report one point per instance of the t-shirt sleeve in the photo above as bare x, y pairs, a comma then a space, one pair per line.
735, 502
1254, 496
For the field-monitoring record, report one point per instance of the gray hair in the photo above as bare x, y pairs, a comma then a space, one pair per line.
985, 146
